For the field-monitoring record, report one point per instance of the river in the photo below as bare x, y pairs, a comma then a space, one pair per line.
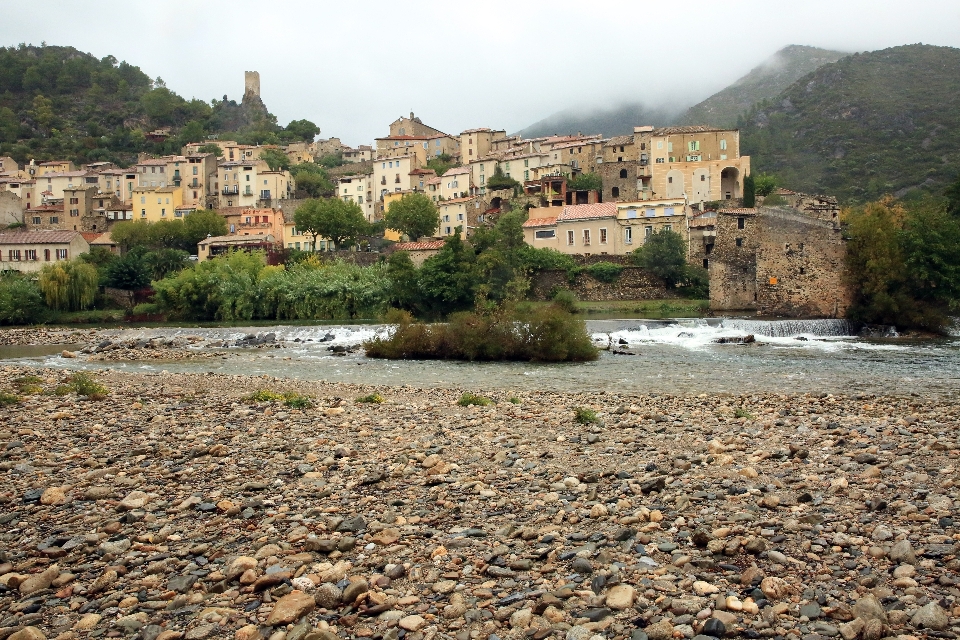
677, 356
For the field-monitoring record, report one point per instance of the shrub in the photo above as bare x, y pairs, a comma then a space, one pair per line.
21, 301
517, 332
146, 309
584, 415
85, 385
514, 400
373, 398
607, 272
740, 412
7, 399
264, 395
63, 390
566, 300
297, 400
468, 399
28, 385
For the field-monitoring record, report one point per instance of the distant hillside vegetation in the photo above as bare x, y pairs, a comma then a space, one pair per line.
765, 82
613, 122
869, 124
58, 102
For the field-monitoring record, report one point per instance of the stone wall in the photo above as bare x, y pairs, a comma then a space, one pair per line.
362, 258
626, 187
633, 284
787, 263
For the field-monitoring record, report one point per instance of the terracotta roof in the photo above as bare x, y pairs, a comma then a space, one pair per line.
232, 211
737, 211
589, 211
39, 237
434, 180
618, 141
65, 174
422, 172
90, 236
702, 221
418, 246
454, 201
540, 222
456, 171
104, 238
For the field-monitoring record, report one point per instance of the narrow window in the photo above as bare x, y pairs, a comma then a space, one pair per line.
570, 237
616, 192
741, 223
739, 242
586, 237
603, 236
628, 235
623, 173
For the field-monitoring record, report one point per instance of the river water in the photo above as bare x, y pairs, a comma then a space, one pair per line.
670, 356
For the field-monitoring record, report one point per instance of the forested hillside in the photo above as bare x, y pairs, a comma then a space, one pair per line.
58, 102
867, 125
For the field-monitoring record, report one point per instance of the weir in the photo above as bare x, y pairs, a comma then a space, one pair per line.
824, 328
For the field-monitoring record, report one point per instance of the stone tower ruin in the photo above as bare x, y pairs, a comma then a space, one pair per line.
251, 83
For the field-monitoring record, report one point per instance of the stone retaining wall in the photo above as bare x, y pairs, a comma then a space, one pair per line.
633, 284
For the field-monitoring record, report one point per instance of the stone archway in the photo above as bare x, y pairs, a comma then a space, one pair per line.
730, 183
675, 184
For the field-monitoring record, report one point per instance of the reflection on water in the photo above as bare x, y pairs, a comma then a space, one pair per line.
11, 352
675, 356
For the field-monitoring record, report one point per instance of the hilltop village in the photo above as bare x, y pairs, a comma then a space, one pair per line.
585, 195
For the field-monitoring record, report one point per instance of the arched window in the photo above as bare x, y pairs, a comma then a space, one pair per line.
616, 192
623, 173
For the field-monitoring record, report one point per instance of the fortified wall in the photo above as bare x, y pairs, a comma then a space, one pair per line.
780, 261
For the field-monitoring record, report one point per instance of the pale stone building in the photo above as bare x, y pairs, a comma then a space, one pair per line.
29, 251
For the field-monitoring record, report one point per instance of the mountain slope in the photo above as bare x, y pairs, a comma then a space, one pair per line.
613, 122
768, 80
869, 124
58, 102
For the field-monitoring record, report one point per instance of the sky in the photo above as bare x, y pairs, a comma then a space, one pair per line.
354, 67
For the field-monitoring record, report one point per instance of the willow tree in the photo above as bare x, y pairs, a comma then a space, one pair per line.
69, 285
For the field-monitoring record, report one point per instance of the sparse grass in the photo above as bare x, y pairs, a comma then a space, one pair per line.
7, 399
85, 385
740, 412
514, 400
62, 390
290, 399
296, 400
584, 415
28, 385
468, 399
373, 398
264, 395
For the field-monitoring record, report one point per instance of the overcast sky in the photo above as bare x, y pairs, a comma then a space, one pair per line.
353, 67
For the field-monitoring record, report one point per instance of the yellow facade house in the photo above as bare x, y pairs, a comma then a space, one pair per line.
607, 228
155, 204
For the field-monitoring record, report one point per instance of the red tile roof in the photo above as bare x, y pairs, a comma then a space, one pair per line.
737, 211
38, 237
418, 246
589, 211
540, 222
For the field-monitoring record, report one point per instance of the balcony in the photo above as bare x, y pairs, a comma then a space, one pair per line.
231, 190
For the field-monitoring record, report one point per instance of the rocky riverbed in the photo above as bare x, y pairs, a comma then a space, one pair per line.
175, 508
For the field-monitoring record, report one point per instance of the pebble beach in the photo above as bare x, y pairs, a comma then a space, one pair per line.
173, 507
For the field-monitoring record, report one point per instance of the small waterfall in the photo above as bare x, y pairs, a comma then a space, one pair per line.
789, 328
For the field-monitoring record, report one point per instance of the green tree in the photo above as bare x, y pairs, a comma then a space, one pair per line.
99, 257
211, 147
585, 182
191, 132
414, 215
404, 288
749, 192
70, 285
331, 218
448, 280
500, 181
162, 262
442, 163
303, 130
664, 254
331, 160
9, 125
200, 224
276, 159
953, 198
42, 112
21, 301
130, 272
130, 234
764, 184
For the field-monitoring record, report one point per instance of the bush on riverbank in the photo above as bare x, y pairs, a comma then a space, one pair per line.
518, 332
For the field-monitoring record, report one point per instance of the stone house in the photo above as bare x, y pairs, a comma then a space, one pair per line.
699, 162
29, 251
455, 183
242, 221
46, 217
23, 189
779, 261
392, 175
50, 186
363, 153
155, 204
12, 208
478, 143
